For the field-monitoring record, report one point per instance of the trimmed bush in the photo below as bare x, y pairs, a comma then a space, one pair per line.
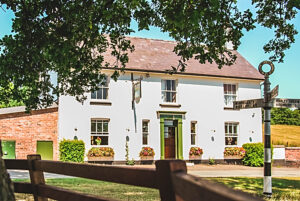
71, 150
254, 154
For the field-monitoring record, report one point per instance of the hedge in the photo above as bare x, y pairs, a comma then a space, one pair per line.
254, 154
285, 116
71, 150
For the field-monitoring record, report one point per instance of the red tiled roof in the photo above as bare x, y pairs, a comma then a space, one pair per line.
157, 56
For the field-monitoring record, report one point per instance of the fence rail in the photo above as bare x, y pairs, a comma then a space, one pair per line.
170, 178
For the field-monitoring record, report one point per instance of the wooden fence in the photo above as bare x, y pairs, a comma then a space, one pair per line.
170, 178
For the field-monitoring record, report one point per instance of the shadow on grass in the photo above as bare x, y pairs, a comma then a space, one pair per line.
283, 188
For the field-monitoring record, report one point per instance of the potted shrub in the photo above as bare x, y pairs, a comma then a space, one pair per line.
234, 153
195, 153
147, 153
101, 154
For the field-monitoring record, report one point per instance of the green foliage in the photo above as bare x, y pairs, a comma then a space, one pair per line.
126, 151
71, 37
11, 103
254, 154
7, 92
282, 13
285, 116
211, 161
130, 162
71, 150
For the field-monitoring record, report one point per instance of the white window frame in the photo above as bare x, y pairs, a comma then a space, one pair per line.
145, 132
164, 91
99, 133
230, 95
232, 133
104, 85
194, 133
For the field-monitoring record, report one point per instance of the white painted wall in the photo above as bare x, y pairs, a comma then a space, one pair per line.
279, 153
201, 98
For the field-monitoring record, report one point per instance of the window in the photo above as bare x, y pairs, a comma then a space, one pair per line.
99, 132
145, 132
102, 92
168, 90
229, 94
231, 133
193, 133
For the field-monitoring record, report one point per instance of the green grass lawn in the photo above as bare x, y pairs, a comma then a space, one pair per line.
283, 188
100, 188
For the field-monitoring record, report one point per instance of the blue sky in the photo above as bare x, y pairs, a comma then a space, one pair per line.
286, 75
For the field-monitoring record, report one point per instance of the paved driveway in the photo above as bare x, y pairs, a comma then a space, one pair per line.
240, 171
199, 171
24, 174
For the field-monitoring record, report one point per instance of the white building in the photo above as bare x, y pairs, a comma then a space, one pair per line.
178, 111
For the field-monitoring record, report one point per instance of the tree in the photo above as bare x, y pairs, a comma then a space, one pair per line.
70, 37
6, 93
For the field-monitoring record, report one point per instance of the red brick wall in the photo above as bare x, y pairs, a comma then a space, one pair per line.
292, 153
27, 129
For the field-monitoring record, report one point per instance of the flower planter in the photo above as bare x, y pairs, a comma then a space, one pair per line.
100, 158
143, 158
195, 157
233, 157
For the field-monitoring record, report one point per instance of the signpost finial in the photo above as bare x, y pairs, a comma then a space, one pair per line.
263, 72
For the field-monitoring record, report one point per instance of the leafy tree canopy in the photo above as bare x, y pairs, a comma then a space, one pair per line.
69, 37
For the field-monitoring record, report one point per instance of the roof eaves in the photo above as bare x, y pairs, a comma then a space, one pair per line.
183, 73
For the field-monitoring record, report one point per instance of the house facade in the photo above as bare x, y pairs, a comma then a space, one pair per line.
148, 107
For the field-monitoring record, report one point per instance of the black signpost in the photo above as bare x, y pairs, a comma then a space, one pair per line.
267, 125
267, 103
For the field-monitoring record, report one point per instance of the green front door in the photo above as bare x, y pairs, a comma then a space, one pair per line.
45, 149
171, 136
9, 149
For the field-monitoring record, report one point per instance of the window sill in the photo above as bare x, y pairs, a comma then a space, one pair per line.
100, 102
172, 105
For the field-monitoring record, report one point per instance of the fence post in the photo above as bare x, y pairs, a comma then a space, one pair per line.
164, 170
36, 177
